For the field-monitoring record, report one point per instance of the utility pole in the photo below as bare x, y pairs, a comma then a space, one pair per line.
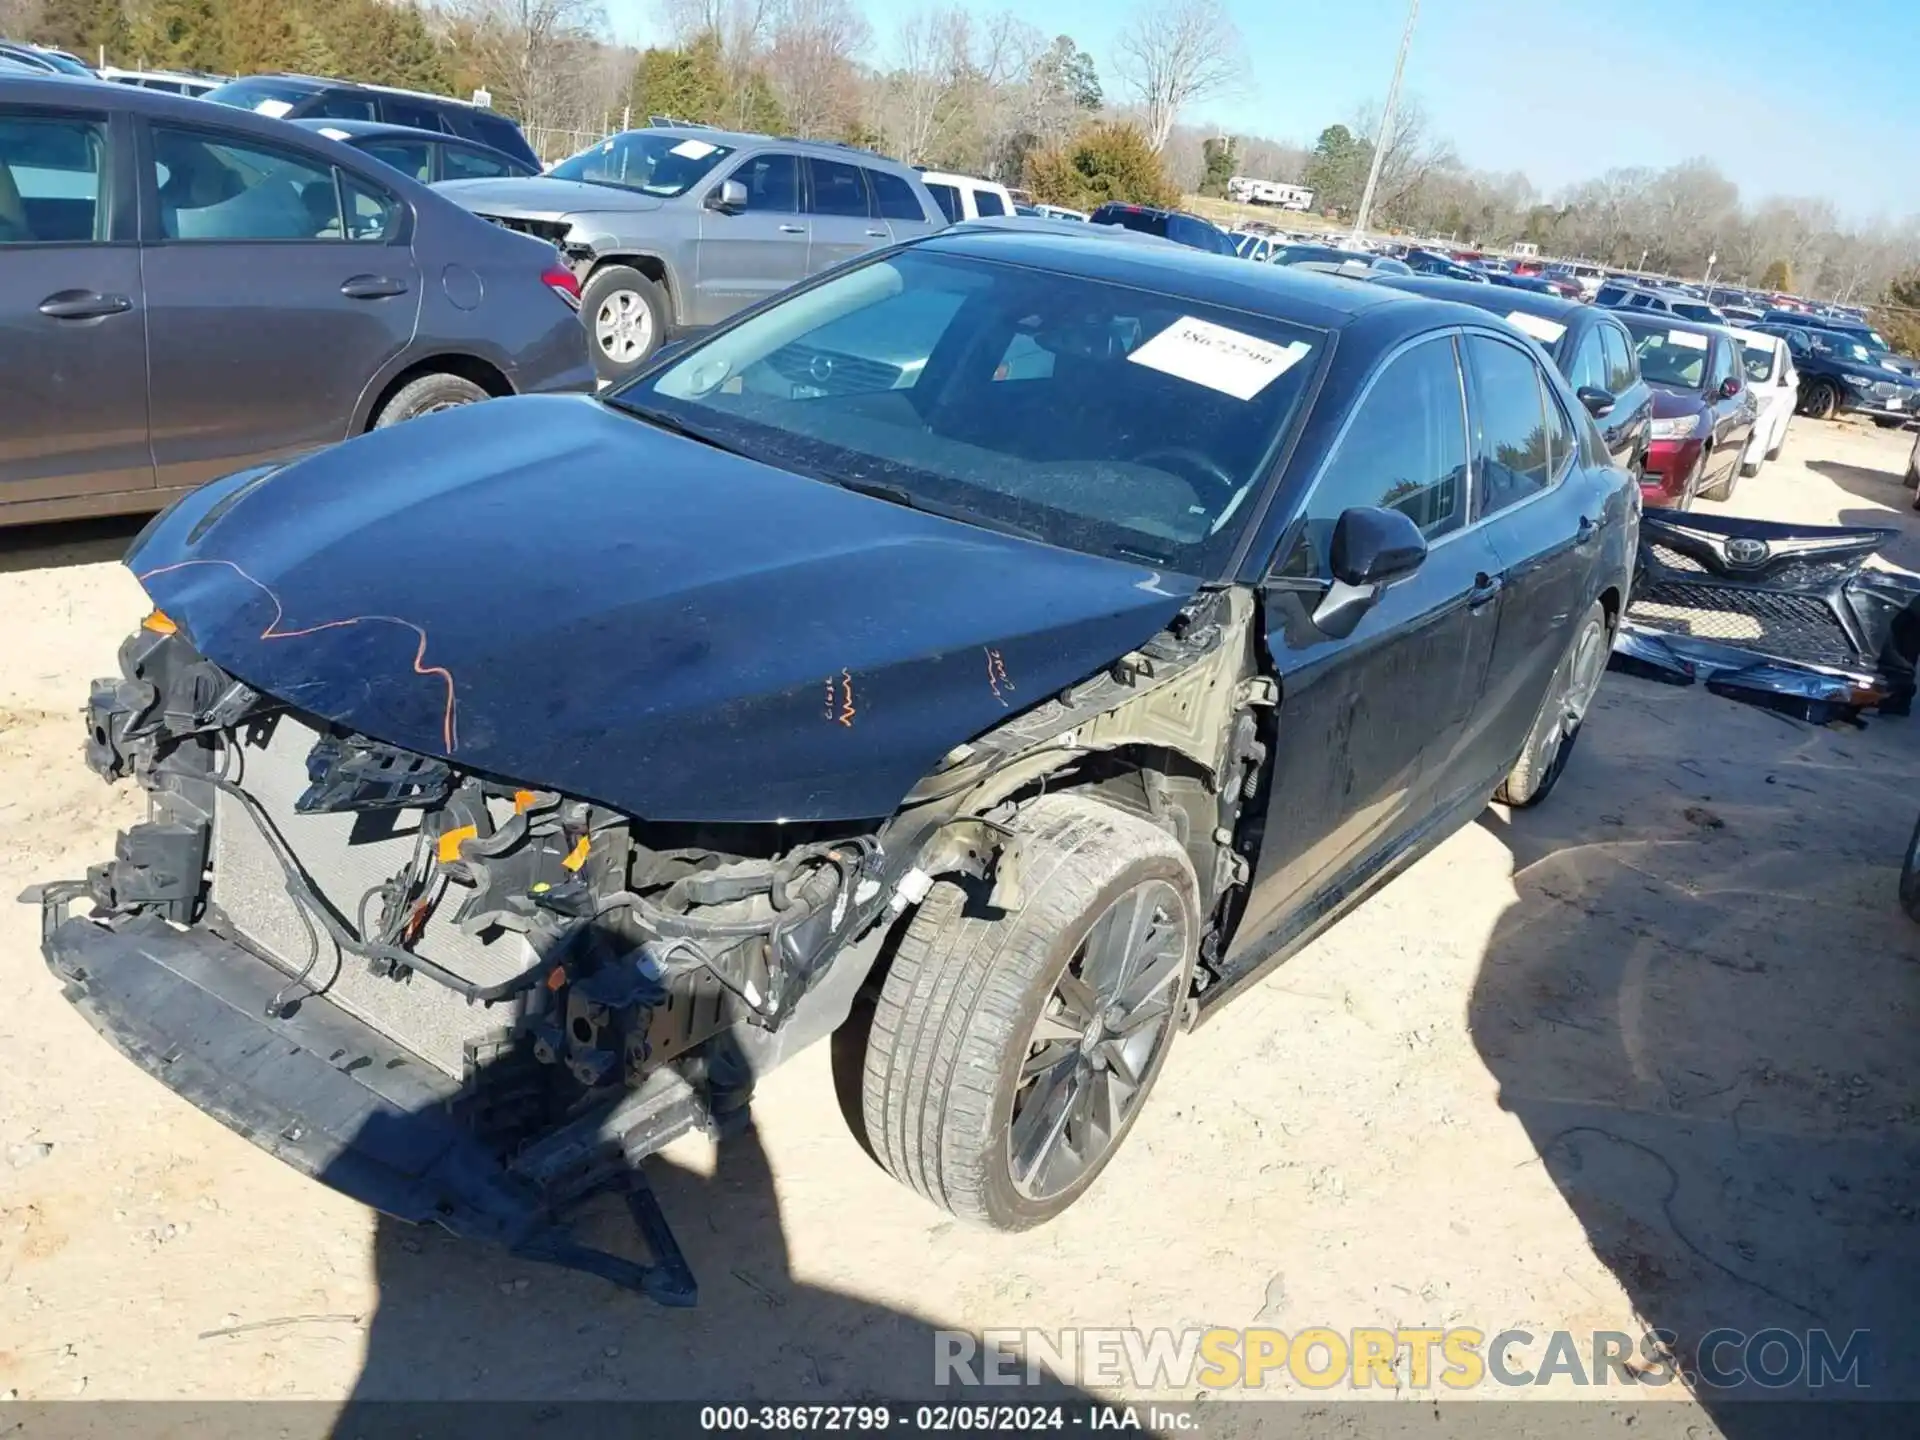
1386, 126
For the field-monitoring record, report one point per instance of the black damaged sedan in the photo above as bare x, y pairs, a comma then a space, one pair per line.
1027, 638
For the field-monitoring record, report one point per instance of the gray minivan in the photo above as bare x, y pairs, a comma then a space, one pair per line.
188, 290
674, 228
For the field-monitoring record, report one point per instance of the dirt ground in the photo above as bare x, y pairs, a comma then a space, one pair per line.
1643, 1058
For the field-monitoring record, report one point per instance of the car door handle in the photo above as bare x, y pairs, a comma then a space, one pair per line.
83, 305
793, 229
372, 287
878, 234
1485, 587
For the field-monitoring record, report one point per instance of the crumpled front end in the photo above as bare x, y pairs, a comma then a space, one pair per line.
1780, 615
459, 999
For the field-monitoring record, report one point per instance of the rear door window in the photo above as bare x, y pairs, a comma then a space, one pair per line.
1513, 448
893, 197
343, 105
398, 111
836, 188
51, 181
409, 157
986, 202
947, 197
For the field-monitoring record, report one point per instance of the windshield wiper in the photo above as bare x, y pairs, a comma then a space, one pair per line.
661, 420
901, 496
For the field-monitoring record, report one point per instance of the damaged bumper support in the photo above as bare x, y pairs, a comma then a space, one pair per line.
1783, 616
335, 1099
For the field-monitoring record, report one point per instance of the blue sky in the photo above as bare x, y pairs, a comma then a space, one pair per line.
1564, 90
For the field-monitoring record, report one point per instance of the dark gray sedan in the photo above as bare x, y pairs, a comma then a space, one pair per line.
186, 290
429, 156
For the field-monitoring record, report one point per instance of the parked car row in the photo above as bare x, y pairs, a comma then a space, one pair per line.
188, 289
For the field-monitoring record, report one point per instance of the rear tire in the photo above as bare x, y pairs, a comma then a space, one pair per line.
1576, 680
626, 316
1910, 877
979, 1039
426, 395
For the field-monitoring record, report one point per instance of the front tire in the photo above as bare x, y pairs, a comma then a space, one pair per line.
426, 395
626, 316
1011, 1051
1822, 400
1576, 680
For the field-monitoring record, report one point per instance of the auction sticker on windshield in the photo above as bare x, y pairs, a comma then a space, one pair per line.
1686, 340
694, 149
1538, 326
1226, 360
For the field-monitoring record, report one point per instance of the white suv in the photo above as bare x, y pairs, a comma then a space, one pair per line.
961, 197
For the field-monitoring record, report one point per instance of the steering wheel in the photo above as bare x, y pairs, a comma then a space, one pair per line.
1192, 464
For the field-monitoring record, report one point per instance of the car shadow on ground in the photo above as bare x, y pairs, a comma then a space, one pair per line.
72, 542
458, 1320
1708, 1036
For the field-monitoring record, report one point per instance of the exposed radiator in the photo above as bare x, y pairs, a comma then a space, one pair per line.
345, 855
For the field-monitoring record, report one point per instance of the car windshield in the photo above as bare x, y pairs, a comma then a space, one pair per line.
1147, 222
1671, 357
650, 161
1842, 347
1086, 414
267, 97
1759, 362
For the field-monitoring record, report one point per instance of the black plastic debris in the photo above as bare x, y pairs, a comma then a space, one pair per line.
1782, 616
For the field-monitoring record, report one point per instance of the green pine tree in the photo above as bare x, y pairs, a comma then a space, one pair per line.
175, 35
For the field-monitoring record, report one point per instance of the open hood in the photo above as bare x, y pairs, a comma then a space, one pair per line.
554, 593
534, 197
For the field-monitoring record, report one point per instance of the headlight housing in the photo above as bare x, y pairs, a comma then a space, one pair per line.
1678, 427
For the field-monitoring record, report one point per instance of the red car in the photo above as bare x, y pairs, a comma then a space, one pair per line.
1703, 408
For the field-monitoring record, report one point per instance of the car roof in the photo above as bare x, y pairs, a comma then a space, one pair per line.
1501, 299
953, 177
1321, 301
360, 129
1659, 320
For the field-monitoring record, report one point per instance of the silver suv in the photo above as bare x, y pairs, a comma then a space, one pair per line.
674, 228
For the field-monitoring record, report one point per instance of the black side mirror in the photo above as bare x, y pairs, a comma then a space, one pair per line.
728, 197
1372, 548
1730, 387
1599, 402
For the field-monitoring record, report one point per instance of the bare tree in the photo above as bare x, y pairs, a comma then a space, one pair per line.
811, 63
1410, 155
1175, 54
540, 57
923, 97
742, 29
